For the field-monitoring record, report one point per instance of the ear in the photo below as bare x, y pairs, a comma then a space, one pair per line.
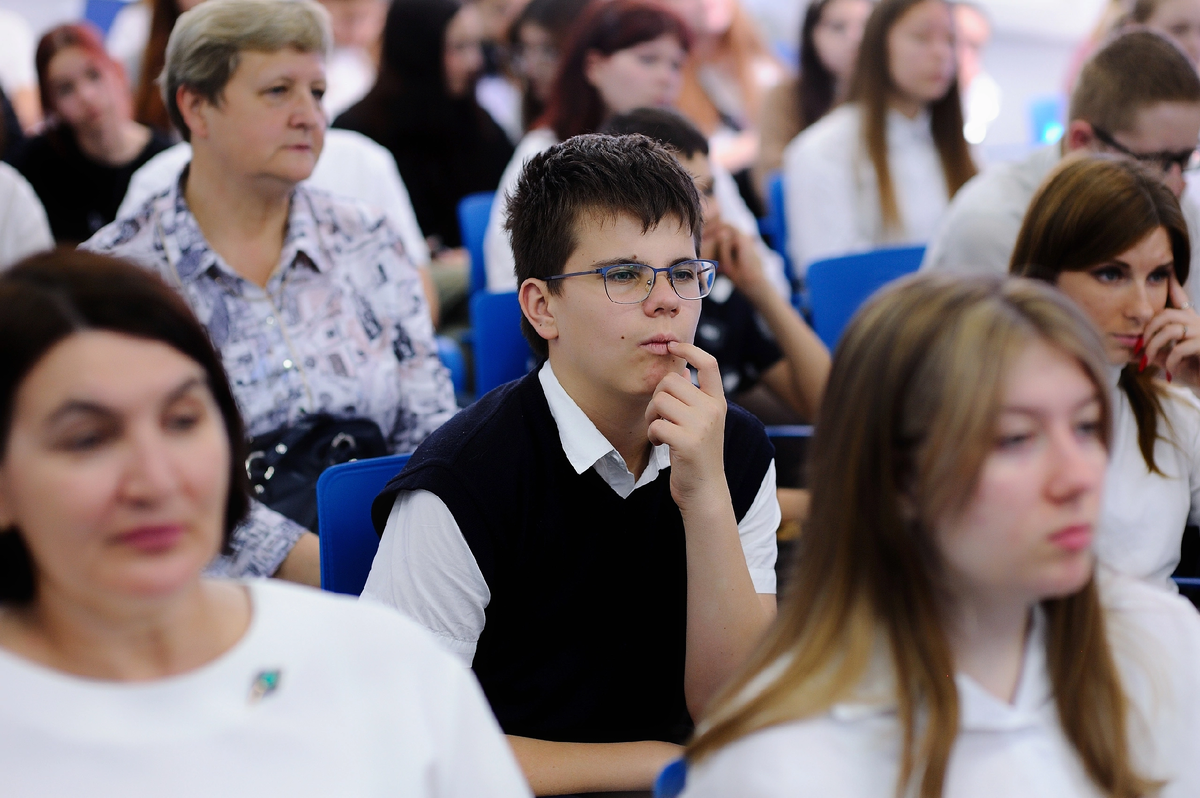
535, 300
193, 108
1079, 136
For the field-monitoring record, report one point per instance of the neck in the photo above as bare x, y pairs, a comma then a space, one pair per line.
905, 105
621, 419
128, 640
112, 145
987, 635
243, 220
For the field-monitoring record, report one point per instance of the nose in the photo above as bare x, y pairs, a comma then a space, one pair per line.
149, 476
662, 299
1139, 310
1174, 180
1076, 466
307, 112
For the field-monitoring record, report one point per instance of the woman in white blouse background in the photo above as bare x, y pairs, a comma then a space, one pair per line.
881, 169
1112, 237
125, 671
948, 632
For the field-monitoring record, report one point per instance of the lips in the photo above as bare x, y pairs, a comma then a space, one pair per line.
152, 539
1073, 538
658, 344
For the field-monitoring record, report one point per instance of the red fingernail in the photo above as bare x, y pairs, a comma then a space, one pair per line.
1141, 342
1142, 364
1168, 376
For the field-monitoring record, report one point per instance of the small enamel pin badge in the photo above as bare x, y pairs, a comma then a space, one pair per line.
264, 684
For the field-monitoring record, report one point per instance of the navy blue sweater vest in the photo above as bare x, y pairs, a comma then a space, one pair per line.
584, 635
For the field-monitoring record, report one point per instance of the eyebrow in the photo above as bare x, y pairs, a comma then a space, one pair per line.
87, 407
1117, 262
1034, 411
635, 261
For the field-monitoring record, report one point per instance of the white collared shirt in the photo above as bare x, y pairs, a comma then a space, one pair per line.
1144, 514
425, 568
1002, 749
832, 197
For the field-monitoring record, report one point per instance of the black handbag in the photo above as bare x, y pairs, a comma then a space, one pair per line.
283, 465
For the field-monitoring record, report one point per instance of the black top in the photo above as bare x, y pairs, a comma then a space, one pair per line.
11, 136
732, 332
80, 196
584, 639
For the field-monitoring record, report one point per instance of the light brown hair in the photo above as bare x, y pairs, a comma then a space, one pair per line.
1134, 70
1087, 212
907, 421
872, 87
148, 107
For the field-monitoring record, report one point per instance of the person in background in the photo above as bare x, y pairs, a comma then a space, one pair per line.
148, 107
12, 137
624, 54
881, 169
948, 633
536, 40
353, 64
980, 92
423, 110
1111, 236
309, 298
1138, 96
24, 229
829, 39
121, 476
1179, 20
728, 72
17, 76
498, 89
81, 165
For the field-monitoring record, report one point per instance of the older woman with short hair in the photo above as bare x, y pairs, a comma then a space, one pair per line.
310, 299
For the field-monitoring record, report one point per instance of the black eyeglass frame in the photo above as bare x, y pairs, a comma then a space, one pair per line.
709, 267
1187, 161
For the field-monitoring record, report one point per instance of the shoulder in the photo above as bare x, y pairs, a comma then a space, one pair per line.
13, 183
1154, 634
345, 217
132, 236
346, 146
836, 132
493, 424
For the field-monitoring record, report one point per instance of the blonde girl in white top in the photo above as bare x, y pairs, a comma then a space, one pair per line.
1110, 234
947, 633
881, 169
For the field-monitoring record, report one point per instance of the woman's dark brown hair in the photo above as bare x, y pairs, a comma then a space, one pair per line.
575, 106
557, 18
148, 107
906, 425
50, 297
872, 88
1089, 211
817, 84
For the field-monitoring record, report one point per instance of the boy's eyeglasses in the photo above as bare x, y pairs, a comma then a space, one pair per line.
631, 283
1186, 160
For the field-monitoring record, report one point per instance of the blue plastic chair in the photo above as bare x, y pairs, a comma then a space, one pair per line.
451, 355
101, 13
672, 779
473, 213
501, 352
348, 538
838, 286
1046, 116
1187, 581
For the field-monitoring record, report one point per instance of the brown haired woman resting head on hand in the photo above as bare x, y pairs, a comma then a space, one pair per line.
1110, 234
947, 632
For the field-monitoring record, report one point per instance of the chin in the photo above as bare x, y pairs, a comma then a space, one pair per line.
1069, 576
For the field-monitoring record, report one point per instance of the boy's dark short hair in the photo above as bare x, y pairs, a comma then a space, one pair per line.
667, 127
1134, 70
597, 175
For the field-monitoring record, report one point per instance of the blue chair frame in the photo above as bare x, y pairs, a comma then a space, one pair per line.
501, 352
473, 213
671, 780
838, 286
348, 537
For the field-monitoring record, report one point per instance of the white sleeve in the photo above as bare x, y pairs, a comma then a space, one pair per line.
735, 211
24, 229
154, 176
757, 533
821, 207
425, 569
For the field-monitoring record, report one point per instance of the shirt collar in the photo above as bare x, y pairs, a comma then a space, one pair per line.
585, 446
192, 257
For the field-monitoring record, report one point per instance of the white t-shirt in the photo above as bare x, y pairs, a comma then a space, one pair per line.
351, 165
349, 75
1143, 516
832, 197
425, 568
1003, 750
364, 704
497, 244
24, 228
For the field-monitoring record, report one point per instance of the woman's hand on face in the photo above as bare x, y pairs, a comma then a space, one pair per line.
738, 260
1172, 338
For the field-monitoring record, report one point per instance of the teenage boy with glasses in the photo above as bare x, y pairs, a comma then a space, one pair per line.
1138, 96
598, 538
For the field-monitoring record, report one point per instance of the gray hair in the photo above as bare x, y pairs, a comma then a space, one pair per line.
207, 41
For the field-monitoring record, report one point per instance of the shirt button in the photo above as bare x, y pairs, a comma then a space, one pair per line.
287, 364
270, 319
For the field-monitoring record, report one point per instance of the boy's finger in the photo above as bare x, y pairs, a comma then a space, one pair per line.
704, 364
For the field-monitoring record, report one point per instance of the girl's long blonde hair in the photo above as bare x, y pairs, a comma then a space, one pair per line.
907, 421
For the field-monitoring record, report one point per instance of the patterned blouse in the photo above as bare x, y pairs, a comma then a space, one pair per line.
342, 327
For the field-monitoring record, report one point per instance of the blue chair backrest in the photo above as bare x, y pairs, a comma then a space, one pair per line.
1047, 119
451, 355
672, 779
473, 213
348, 538
838, 286
501, 352
101, 13
774, 229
